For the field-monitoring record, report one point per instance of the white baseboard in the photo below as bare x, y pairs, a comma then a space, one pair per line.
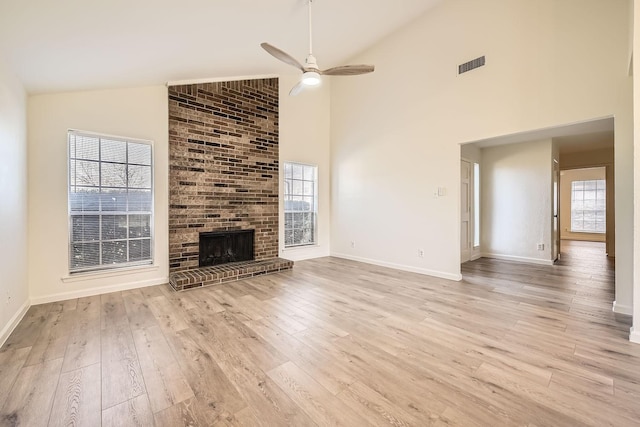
622, 309
528, 260
434, 273
634, 336
63, 296
13, 322
475, 257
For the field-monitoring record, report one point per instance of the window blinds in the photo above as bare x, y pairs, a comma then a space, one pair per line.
300, 204
110, 202
588, 206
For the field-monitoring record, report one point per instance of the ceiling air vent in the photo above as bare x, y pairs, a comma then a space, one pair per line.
471, 65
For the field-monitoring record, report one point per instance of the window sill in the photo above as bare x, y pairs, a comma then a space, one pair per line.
94, 275
295, 248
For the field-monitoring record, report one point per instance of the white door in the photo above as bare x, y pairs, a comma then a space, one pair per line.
465, 211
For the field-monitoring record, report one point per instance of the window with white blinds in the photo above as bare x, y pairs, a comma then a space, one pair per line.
110, 202
588, 206
300, 204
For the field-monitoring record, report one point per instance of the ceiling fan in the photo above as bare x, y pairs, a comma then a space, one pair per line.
310, 71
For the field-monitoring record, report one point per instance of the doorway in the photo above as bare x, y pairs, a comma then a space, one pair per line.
584, 208
521, 210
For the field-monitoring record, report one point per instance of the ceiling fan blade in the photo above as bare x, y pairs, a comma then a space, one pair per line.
348, 70
282, 55
297, 89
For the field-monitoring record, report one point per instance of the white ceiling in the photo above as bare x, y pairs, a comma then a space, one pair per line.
85, 44
574, 137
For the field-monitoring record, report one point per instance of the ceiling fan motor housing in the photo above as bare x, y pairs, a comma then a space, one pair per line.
311, 62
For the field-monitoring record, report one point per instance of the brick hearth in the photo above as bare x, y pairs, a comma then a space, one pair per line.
219, 274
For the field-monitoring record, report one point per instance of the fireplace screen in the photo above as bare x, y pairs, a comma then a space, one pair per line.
221, 247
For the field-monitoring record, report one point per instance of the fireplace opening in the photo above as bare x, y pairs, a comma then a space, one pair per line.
221, 247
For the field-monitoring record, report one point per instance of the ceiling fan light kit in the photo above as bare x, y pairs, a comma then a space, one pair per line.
311, 72
311, 78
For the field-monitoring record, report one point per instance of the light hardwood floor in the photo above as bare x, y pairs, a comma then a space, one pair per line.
335, 342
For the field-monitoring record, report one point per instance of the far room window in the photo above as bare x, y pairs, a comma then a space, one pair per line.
110, 202
588, 206
300, 204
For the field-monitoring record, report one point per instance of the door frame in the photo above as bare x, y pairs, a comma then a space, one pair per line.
466, 253
555, 209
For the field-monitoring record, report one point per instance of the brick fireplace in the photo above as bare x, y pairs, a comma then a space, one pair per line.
223, 176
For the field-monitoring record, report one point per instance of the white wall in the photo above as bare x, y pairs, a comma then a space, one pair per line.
138, 113
395, 133
516, 201
305, 138
14, 295
566, 178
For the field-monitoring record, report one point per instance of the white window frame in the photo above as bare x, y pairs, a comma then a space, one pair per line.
581, 205
102, 213
307, 194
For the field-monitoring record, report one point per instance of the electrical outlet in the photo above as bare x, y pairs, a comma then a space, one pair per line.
420, 253
353, 244
541, 246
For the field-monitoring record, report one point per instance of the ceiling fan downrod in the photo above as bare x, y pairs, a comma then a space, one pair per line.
311, 60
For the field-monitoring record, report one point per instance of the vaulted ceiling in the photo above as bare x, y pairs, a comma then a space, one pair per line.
86, 44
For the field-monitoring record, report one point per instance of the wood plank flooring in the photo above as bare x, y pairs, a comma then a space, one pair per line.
335, 342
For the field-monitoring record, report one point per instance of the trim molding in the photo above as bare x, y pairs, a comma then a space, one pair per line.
96, 275
622, 309
634, 336
518, 259
13, 322
583, 237
475, 256
220, 79
62, 296
434, 273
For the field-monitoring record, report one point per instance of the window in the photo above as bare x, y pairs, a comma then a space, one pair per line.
110, 202
588, 206
300, 204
